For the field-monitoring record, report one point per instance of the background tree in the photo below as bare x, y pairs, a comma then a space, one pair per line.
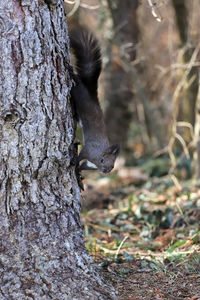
187, 44
42, 254
118, 82
134, 196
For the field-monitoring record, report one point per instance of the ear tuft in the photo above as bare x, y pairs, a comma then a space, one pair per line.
114, 149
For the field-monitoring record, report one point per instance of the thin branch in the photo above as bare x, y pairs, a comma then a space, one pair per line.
183, 143
176, 183
171, 154
155, 12
184, 77
181, 212
70, 2
84, 5
176, 101
74, 9
188, 125
91, 7
165, 71
121, 244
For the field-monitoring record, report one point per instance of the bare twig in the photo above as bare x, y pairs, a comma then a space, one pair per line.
164, 71
74, 9
176, 183
155, 12
182, 214
84, 5
183, 143
182, 81
176, 101
91, 7
70, 2
121, 244
188, 125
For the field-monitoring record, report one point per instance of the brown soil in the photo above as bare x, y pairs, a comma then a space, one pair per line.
144, 284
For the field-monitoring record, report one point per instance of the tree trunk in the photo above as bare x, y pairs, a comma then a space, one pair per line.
42, 253
196, 141
119, 91
191, 90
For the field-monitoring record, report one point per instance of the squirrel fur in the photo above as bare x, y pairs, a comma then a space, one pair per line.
84, 93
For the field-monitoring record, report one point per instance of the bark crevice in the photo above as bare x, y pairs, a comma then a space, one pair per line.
42, 253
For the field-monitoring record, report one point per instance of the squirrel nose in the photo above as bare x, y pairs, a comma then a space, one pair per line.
107, 170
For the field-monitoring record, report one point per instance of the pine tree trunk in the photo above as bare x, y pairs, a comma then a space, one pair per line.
42, 253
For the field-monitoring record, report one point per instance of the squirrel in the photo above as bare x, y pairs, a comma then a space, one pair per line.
84, 97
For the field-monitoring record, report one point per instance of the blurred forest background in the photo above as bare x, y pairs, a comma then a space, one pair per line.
149, 83
146, 214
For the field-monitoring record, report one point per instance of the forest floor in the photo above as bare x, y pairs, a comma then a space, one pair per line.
144, 233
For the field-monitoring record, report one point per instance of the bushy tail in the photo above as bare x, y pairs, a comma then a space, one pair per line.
87, 53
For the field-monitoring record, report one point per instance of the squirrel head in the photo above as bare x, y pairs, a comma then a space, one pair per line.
107, 159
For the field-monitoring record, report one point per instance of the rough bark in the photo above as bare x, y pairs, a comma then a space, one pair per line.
42, 254
119, 92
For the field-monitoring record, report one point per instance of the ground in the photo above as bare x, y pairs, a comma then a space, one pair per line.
144, 233
144, 283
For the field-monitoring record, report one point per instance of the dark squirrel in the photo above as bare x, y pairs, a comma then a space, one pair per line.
84, 95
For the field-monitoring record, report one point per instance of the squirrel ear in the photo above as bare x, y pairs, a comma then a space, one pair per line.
114, 149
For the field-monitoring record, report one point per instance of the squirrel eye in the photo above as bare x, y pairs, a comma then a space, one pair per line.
102, 160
